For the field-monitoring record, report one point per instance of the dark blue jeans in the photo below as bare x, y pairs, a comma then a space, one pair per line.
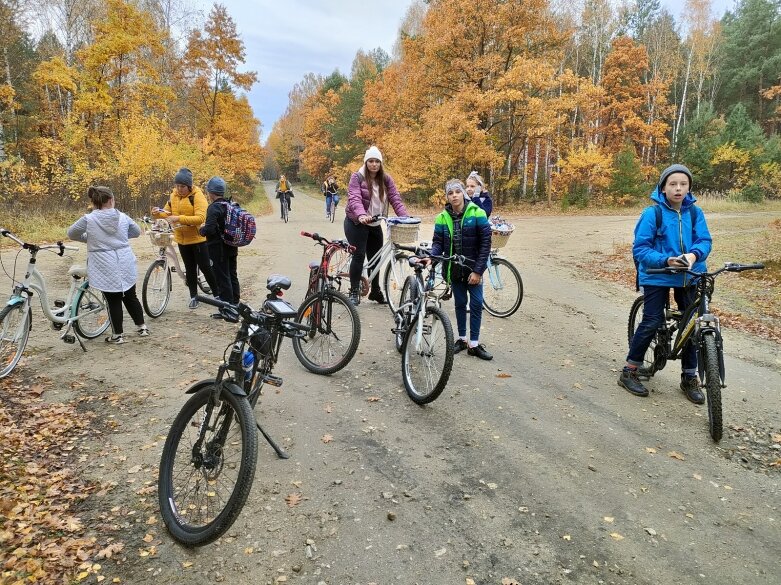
475, 292
654, 300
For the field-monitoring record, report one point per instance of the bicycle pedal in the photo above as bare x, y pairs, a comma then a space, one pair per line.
69, 338
57, 326
172, 269
272, 380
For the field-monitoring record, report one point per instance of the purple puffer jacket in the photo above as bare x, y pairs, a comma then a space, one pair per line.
359, 197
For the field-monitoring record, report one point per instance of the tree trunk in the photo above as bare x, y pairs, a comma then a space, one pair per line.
683, 101
524, 169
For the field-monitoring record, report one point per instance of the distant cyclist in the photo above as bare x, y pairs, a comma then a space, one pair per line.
331, 192
284, 193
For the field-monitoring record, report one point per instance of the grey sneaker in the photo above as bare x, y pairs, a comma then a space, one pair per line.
115, 339
690, 386
631, 383
193, 303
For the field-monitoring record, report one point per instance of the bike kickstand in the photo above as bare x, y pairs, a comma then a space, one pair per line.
277, 449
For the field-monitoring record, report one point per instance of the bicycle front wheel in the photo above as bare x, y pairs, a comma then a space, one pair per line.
204, 481
635, 318
426, 362
157, 288
92, 313
332, 212
15, 322
710, 355
407, 301
334, 332
503, 291
396, 273
285, 210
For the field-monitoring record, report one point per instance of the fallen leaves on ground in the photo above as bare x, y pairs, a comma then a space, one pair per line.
676, 455
293, 500
327, 438
43, 540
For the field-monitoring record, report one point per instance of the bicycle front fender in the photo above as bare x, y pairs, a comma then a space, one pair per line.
232, 388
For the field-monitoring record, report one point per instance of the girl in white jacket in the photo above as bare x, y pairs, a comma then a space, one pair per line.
111, 264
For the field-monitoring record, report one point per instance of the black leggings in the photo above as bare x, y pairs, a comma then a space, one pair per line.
196, 256
367, 241
114, 301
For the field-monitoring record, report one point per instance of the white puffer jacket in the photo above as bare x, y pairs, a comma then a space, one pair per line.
111, 264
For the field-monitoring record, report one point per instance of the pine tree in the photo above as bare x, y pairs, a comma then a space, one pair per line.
628, 183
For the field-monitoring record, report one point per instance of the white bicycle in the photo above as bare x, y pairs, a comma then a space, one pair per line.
82, 314
399, 230
156, 290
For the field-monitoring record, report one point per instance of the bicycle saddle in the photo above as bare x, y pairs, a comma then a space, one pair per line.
77, 271
277, 282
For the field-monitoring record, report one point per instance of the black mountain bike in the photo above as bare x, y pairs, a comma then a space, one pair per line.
422, 331
209, 458
698, 324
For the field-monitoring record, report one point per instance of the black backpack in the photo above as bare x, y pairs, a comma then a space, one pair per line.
658, 214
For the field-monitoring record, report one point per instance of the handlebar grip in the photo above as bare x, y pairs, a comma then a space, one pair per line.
413, 249
306, 234
658, 270
215, 302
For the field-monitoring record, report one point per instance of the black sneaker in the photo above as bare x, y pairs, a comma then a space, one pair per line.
480, 352
631, 383
690, 386
459, 345
376, 295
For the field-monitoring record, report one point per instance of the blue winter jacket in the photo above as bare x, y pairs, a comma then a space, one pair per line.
675, 236
475, 238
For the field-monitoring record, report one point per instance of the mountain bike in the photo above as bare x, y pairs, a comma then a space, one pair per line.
334, 329
503, 290
82, 313
696, 324
284, 202
208, 462
156, 290
423, 333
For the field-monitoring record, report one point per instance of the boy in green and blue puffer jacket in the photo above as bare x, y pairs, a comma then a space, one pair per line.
462, 228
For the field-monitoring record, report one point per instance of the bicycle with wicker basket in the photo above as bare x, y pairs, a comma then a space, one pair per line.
399, 230
503, 286
156, 290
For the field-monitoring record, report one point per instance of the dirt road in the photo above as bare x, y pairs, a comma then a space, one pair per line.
535, 468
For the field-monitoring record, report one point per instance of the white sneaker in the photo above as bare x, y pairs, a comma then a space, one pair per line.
115, 339
143, 331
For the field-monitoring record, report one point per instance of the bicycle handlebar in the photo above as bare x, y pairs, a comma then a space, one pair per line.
57, 246
252, 317
419, 252
326, 242
728, 267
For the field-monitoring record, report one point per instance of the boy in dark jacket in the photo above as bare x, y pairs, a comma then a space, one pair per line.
681, 240
224, 258
462, 228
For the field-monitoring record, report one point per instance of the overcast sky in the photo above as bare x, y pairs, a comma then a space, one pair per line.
286, 39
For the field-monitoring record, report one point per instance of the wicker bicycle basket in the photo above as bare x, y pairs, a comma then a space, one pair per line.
161, 239
401, 233
499, 239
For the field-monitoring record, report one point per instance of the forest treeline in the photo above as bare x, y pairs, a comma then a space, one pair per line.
120, 93
577, 102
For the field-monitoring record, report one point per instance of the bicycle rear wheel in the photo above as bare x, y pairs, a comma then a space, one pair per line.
339, 268
648, 368
396, 273
15, 323
503, 292
334, 332
425, 367
710, 357
96, 322
156, 290
203, 486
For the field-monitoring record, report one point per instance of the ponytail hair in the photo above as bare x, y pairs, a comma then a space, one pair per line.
99, 196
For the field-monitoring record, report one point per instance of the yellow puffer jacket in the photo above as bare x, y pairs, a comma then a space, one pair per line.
191, 215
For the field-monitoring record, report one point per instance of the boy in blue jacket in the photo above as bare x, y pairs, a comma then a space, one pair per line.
682, 239
462, 228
